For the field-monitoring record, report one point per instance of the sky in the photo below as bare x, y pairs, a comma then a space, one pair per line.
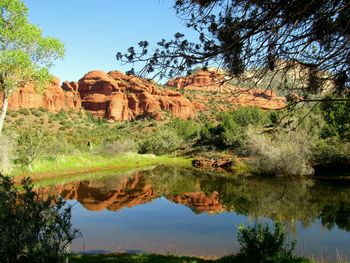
93, 31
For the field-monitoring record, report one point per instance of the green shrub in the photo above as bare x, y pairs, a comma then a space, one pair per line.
30, 144
245, 116
118, 147
24, 111
280, 154
62, 113
337, 118
13, 114
43, 109
36, 112
186, 129
230, 132
7, 153
162, 142
31, 229
261, 245
331, 153
59, 145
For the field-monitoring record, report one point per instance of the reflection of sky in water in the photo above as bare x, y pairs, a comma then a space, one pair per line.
165, 227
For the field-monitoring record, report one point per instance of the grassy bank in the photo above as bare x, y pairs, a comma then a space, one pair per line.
90, 163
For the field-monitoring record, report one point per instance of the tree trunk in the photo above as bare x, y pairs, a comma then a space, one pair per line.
5, 104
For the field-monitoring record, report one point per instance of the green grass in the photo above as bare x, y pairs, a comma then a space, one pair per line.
100, 175
91, 163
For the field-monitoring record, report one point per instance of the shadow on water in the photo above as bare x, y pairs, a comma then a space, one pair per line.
299, 204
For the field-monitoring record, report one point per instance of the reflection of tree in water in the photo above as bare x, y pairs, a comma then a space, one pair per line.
282, 199
334, 203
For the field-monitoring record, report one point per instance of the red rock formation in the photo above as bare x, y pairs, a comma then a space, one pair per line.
211, 76
210, 85
119, 97
53, 98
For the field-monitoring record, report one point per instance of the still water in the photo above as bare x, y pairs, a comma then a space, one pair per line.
188, 212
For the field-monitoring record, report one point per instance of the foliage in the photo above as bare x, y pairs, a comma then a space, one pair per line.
246, 116
25, 55
32, 229
232, 127
283, 153
331, 153
241, 35
337, 119
186, 129
161, 142
118, 147
261, 245
31, 143
7, 153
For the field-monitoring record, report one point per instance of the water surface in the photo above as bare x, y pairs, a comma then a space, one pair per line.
188, 212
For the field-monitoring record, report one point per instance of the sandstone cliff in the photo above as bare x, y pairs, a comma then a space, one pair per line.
119, 97
53, 98
207, 87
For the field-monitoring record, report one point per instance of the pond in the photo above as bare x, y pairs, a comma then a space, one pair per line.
190, 212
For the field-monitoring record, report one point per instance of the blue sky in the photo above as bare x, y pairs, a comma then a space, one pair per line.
93, 31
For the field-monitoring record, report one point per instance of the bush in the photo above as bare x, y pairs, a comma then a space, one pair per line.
43, 109
246, 116
280, 154
24, 111
119, 147
36, 112
31, 143
337, 118
7, 152
260, 244
33, 230
331, 153
13, 114
58, 145
186, 129
232, 127
162, 142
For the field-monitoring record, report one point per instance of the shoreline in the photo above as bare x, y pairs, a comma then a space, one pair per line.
67, 166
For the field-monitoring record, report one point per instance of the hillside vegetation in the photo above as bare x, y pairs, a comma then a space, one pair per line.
269, 143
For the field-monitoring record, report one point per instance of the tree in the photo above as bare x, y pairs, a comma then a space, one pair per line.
31, 143
33, 229
309, 39
25, 54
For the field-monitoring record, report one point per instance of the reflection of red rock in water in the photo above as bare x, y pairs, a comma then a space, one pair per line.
199, 202
128, 192
96, 197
